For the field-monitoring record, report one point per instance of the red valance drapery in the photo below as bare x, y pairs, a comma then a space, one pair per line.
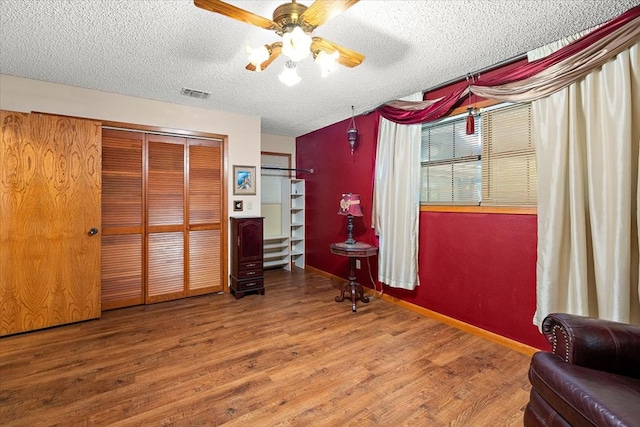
535, 79
409, 113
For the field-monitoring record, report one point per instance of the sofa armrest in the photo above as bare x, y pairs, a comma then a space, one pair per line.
594, 343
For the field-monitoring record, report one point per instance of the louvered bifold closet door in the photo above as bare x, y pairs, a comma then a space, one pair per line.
204, 208
122, 219
165, 218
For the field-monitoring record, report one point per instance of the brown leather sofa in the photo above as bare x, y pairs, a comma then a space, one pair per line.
591, 377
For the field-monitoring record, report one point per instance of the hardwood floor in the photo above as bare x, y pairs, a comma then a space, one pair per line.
292, 357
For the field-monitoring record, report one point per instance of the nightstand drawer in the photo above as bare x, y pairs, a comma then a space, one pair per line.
247, 285
250, 265
248, 274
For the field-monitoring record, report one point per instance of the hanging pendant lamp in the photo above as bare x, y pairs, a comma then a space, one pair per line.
352, 132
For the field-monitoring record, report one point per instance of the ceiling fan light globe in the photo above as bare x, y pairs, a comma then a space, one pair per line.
296, 44
289, 76
258, 56
326, 61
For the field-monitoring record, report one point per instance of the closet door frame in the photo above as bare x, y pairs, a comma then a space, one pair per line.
224, 146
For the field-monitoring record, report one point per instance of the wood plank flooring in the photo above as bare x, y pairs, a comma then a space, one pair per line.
293, 357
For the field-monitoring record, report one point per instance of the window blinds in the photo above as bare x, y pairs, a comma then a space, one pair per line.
450, 164
508, 157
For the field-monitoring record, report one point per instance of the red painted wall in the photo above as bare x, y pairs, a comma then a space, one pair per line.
480, 269
327, 151
474, 267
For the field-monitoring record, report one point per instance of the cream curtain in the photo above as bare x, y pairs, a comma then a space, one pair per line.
587, 150
396, 202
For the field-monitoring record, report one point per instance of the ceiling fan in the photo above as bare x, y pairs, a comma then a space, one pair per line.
294, 22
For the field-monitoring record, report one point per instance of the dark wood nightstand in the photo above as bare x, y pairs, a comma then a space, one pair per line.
246, 256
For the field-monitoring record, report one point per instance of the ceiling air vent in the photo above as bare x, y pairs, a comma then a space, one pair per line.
195, 93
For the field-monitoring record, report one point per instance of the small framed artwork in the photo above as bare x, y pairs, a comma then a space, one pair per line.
237, 205
244, 180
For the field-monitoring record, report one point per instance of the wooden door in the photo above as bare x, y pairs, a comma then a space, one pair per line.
165, 218
50, 188
204, 219
122, 219
162, 208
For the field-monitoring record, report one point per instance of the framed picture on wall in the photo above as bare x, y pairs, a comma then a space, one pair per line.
244, 180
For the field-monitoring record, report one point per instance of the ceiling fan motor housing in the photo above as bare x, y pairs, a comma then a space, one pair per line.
286, 16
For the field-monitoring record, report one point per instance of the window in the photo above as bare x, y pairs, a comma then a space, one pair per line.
451, 169
494, 166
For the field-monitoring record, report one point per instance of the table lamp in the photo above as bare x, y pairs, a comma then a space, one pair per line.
350, 206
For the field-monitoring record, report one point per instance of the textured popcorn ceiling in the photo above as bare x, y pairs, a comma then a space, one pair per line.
154, 48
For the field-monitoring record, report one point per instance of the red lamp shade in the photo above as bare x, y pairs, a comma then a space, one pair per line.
350, 205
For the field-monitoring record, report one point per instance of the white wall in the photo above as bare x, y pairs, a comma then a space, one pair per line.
280, 144
25, 95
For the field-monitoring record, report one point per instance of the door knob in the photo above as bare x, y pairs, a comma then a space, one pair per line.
93, 232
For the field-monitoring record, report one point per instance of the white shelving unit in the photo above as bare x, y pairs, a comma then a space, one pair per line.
275, 251
295, 195
275, 210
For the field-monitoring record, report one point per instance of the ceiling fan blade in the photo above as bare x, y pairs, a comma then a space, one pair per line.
234, 12
274, 51
323, 10
348, 57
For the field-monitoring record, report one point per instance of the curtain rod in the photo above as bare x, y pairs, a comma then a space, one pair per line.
458, 79
480, 71
287, 169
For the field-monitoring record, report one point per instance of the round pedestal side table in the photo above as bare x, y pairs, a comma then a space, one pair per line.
353, 251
